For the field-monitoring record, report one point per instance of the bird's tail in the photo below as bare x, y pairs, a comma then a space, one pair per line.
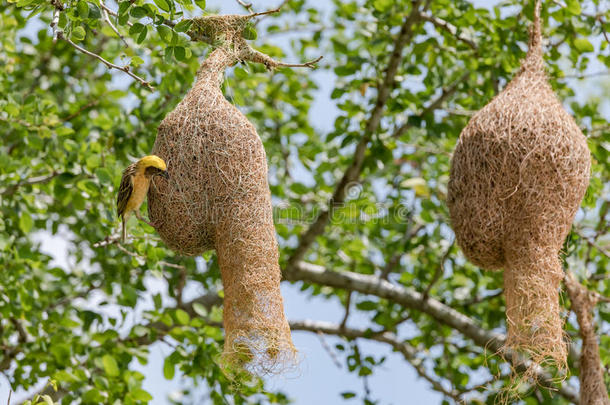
123, 230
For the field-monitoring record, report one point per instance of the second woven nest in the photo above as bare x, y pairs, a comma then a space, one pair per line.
518, 174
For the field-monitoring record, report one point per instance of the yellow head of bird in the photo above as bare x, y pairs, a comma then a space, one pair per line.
152, 161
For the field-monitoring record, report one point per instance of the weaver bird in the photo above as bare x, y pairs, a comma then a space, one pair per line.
134, 187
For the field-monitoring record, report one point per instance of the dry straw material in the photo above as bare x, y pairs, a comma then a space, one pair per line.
219, 199
518, 174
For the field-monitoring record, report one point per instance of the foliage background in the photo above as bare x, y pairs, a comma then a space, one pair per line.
70, 126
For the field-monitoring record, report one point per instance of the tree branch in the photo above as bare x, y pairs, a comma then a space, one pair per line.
113, 13
439, 271
450, 28
394, 260
592, 243
592, 385
247, 6
110, 65
409, 298
116, 31
353, 171
434, 105
348, 304
10, 190
408, 351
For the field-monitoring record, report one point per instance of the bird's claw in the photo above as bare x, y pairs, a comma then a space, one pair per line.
149, 223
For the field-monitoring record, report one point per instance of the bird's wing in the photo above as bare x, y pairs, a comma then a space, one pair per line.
125, 189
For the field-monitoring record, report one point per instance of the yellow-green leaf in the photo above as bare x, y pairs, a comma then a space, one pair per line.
78, 33
583, 45
25, 222
182, 317
110, 365
162, 4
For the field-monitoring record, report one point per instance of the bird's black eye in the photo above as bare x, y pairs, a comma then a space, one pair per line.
152, 171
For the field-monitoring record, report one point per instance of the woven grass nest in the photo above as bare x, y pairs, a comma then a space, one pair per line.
518, 174
219, 199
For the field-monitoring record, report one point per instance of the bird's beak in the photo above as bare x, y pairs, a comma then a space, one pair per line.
165, 174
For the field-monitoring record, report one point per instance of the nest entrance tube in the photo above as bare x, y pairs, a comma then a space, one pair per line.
518, 174
219, 199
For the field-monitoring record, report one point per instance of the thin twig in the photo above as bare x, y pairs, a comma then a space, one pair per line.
408, 351
446, 92
454, 111
586, 75
116, 31
54, 23
255, 56
439, 271
116, 240
593, 243
80, 110
247, 6
450, 28
477, 299
275, 10
328, 350
105, 62
114, 13
393, 262
10, 190
311, 64
348, 301
23, 335
601, 23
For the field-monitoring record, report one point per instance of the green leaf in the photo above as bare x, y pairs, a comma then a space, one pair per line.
200, 309
163, 5
348, 395
142, 35
136, 28
78, 33
200, 4
169, 369
138, 12
103, 176
249, 32
182, 317
383, 5
367, 306
94, 11
25, 222
165, 33
183, 26
136, 61
83, 9
141, 395
169, 51
180, 53
573, 6
123, 7
47, 399
110, 365
583, 45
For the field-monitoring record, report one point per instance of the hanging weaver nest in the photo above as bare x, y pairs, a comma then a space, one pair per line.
219, 199
518, 174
